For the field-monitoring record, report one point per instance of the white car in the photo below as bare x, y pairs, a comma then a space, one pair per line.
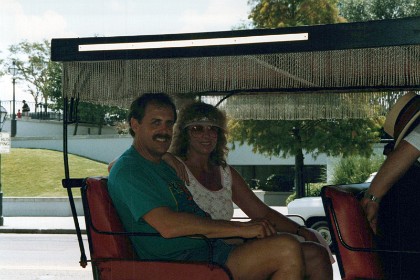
312, 210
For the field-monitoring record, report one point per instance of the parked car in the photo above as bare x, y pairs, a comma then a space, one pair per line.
312, 210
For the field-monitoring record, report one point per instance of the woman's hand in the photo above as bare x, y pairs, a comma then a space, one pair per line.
178, 166
371, 210
256, 229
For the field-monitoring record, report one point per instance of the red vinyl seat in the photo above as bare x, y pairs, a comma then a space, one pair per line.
112, 255
352, 236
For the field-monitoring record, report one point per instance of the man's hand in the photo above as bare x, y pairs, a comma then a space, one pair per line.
371, 211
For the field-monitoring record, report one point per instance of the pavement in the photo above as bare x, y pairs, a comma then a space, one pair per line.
65, 225
47, 225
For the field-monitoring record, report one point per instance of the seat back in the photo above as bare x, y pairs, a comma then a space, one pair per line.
111, 251
351, 234
101, 216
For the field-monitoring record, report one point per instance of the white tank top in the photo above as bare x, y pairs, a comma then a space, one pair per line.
216, 203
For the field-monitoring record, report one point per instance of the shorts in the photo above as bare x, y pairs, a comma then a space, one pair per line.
221, 251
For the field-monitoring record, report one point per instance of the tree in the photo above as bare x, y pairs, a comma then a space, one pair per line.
54, 86
284, 13
98, 114
41, 75
43, 80
333, 138
364, 10
291, 138
1, 71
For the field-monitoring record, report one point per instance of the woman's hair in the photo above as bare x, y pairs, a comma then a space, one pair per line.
199, 111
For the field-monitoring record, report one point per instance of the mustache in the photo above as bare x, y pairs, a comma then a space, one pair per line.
162, 136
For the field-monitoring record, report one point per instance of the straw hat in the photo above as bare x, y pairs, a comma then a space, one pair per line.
402, 115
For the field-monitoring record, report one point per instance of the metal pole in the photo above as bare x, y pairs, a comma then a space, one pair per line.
1, 193
13, 122
1, 197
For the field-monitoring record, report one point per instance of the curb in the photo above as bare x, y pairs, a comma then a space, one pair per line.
40, 231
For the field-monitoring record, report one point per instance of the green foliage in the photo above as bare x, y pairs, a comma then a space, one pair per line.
2, 71
276, 138
284, 13
38, 172
355, 169
53, 87
339, 137
100, 114
42, 76
313, 190
278, 183
364, 10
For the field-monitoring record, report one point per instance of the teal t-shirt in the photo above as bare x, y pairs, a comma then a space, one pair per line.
137, 186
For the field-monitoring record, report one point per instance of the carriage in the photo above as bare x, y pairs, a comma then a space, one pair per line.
334, 71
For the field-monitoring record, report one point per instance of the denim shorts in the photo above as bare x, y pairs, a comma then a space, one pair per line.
221, 251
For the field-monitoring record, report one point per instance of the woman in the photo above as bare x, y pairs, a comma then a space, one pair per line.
199, 144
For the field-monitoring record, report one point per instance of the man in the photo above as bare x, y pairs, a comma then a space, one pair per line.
149, 197
391, 202
25, 108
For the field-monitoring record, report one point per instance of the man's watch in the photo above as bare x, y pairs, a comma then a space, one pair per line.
371, 197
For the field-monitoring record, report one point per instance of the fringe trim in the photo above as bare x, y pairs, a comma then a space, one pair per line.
305, 85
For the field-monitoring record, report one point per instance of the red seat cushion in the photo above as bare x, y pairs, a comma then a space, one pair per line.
355, 231
113, 256
104, 218
153, 270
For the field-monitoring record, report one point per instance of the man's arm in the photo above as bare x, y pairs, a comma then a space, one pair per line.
172, 224
394, 167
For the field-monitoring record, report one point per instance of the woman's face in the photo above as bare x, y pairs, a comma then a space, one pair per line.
203, 138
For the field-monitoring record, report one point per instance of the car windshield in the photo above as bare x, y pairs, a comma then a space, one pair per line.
370, 178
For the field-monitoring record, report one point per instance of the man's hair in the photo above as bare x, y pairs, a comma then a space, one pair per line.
139, 105
200, 110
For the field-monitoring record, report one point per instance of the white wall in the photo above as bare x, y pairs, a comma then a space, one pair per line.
109, 145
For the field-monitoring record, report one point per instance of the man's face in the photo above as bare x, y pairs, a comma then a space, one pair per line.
153, 134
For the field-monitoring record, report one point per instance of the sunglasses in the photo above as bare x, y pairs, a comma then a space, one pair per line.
200, 130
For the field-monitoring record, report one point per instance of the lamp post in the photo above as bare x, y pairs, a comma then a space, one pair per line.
13, 70
3, 114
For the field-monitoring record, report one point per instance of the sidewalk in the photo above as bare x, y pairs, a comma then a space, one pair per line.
63, 225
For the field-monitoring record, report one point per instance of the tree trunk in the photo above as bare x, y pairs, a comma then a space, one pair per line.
299, 182
299, 164
76, 125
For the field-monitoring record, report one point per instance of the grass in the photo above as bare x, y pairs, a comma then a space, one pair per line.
38, 172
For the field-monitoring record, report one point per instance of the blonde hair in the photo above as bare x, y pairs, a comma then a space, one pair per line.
194, 111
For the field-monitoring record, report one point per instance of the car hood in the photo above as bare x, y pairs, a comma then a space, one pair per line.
307, 207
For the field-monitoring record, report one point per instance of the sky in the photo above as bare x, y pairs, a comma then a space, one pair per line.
35, 20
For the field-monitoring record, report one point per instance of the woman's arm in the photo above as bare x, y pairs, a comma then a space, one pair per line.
178, 166
111, 164
172, 224
245, 198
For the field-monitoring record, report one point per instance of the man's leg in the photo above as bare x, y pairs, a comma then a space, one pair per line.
278, 257
317, 261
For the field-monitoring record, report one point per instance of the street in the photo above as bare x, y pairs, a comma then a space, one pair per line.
41, 257
48, 257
